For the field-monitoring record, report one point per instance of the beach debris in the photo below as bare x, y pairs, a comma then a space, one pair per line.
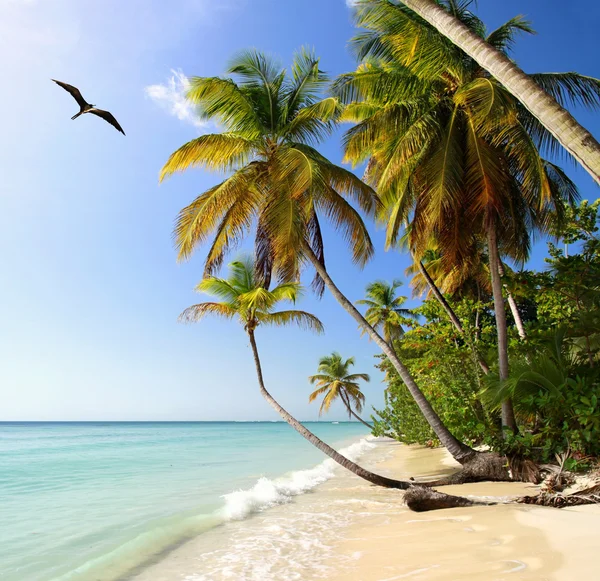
85, 107
562, 489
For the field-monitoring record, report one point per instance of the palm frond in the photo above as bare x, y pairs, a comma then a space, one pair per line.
570, 88
315, 122
198, 220
357, 376
224, 101
302, 319
220, 151
308, 82
195, 313
503, 38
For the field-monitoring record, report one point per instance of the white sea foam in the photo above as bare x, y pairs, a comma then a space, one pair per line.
267, 493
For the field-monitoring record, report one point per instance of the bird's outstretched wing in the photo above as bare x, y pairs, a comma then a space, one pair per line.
107, 116
74, 92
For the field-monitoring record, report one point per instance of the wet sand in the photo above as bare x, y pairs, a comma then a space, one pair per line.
348, 530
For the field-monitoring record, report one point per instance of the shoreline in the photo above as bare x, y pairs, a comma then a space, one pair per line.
346, 529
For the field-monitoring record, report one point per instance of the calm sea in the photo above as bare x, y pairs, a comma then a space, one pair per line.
96, 501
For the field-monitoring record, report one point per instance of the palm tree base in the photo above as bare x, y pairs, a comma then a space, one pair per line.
491, 467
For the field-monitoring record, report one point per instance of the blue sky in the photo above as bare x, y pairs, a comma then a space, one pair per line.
90, 289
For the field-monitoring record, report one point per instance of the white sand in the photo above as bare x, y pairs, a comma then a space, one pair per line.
503, 542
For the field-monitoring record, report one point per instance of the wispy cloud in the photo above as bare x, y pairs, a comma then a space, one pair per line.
170, 96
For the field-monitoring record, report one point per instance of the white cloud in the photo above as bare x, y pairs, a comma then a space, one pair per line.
171, 97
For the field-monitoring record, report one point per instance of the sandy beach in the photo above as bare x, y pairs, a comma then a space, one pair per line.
480, 543
346, 529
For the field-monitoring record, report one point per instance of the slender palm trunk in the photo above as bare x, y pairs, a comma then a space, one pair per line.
478, 315
574, 138
513, 305
440, 297
351, 412
508, 415
460, 451
455, 321
348, 464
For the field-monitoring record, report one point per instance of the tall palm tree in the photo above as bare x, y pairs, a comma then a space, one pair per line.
334, 380
279, 186
245, 298
544, 100
449, 149
385, 310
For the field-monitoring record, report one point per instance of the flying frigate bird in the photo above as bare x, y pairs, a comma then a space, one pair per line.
86, 107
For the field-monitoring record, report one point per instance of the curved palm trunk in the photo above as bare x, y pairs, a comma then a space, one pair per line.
348, 464
455, 321
460, 452
508, 415
577, 140
352, 412
513, 305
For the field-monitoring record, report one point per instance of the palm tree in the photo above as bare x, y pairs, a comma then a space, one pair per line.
385, 309
279, 186
471, 277
334, 380
244, 297
449, 149
541, 96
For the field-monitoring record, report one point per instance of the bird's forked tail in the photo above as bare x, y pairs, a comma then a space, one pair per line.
77, 115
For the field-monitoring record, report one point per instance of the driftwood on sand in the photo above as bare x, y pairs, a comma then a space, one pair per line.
422, 497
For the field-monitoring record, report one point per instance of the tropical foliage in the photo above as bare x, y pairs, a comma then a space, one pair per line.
243, 297
451, 152
278, 184
384, 309
555, 374
334, 381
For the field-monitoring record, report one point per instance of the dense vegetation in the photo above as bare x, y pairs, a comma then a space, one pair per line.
555, 371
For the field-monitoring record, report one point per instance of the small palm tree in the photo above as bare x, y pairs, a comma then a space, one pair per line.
385, 309
243, 296
334, 380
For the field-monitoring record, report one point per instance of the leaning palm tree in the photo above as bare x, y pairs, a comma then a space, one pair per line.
279, 186
244, 297
449, 149
542, 97
335, 381
385, 310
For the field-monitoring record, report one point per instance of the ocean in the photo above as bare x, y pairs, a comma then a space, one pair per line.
104, 501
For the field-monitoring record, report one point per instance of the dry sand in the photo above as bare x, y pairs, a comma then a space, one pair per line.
504, 542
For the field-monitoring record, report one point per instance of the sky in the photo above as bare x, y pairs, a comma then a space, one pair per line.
90, 289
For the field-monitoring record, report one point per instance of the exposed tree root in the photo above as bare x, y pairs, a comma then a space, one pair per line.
559, 500
494, 467
491, 467
422, 499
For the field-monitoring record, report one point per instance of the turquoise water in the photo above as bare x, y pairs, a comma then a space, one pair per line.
81, 501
